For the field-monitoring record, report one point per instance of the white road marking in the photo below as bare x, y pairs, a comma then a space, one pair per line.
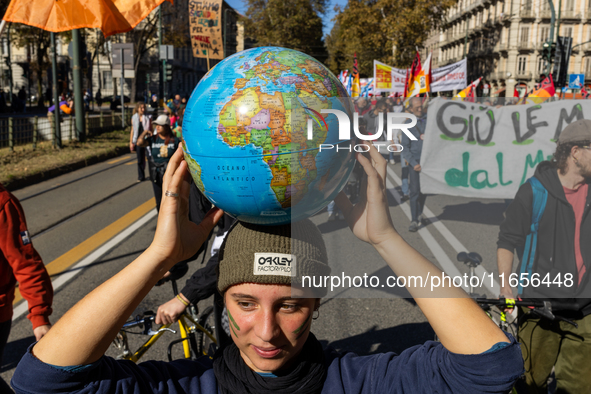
23, 308
444, 261
447, 234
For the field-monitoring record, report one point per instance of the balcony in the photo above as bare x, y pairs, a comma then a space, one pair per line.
586, 47
525, 46
523, 75
502, 47
569, 15
527, 14
546, 14
500, 75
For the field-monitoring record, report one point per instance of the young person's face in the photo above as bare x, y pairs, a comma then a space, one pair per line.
267, 324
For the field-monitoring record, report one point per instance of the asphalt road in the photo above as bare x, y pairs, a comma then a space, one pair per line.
108, 192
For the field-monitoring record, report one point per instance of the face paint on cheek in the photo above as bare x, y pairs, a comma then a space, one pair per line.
234, 324
301, 329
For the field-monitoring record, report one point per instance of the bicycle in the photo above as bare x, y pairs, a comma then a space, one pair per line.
197, 332
495, 309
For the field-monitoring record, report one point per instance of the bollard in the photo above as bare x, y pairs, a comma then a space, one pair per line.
101, 121
87, 122
53, 133
35, 132
10, 134
71, 129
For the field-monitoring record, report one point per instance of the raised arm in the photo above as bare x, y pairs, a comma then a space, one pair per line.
370, 221
85, 332
142, 140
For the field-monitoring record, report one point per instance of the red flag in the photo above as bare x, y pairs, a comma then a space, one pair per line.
411, 73
355, 86
585, 93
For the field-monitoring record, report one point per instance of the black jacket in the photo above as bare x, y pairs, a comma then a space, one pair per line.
555, 252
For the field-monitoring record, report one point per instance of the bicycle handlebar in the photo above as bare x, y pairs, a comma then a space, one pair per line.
540, 307
140, 320
552, 305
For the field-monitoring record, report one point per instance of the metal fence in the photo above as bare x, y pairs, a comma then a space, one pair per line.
26, 130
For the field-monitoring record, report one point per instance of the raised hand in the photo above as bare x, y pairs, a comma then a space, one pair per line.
369, 219
177, 238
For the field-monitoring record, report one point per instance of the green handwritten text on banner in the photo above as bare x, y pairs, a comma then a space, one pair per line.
480, 151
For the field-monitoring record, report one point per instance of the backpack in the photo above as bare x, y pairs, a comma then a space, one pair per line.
540, 197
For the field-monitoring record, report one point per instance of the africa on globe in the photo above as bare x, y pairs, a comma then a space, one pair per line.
246, 141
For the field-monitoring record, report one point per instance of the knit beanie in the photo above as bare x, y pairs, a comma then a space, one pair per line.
253, 253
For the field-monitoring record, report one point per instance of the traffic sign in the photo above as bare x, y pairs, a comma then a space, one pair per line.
575, 81
166, 52
128, 56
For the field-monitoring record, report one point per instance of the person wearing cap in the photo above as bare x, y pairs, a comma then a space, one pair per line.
160, 145
273, 350
563, 248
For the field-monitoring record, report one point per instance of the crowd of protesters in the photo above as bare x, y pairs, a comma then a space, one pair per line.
155, 136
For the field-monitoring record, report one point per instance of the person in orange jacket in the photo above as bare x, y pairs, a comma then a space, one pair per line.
20, 262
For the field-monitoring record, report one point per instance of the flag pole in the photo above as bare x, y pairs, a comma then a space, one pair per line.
207, 58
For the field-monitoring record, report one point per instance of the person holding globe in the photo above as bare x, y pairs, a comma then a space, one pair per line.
274, 349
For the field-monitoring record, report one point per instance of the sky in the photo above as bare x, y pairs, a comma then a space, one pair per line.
240, 6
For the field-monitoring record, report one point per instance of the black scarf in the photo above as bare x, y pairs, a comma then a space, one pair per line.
306, 377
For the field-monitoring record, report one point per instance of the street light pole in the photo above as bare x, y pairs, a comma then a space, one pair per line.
56, 99
121, 80
78, 103
9, 68
163, 64
551, 37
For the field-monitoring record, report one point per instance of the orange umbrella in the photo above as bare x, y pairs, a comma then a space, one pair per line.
111, 16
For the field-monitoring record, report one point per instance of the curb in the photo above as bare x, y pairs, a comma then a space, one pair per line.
19, 183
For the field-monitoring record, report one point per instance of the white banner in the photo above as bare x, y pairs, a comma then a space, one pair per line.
478, 151
388, 78
451, 77
391, 79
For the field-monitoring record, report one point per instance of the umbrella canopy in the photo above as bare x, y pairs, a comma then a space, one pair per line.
111, 16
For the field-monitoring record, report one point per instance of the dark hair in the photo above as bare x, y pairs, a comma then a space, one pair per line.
563, 152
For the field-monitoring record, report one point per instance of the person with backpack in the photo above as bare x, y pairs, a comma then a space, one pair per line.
160, 148
549, 225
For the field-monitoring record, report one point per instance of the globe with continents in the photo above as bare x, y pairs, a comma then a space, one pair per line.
256, 141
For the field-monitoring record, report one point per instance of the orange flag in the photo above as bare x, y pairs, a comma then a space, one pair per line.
543, 92
111, 16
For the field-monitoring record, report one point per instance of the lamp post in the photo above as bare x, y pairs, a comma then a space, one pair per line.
552, 22
56, 100
78, 103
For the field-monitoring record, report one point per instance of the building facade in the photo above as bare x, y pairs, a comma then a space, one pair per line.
503, 39
98, 72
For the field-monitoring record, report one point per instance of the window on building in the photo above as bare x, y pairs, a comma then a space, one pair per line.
570, 5
521, 64
107, 80
544, 33
545, 6
524, 38
528, 5
587, 66
568, 32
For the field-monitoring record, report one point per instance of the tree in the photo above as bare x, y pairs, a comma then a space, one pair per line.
373, 28
39, 40
295, 24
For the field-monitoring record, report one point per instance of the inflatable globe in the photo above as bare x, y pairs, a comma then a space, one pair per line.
256, 141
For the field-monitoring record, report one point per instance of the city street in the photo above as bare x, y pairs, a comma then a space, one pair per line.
101, 209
